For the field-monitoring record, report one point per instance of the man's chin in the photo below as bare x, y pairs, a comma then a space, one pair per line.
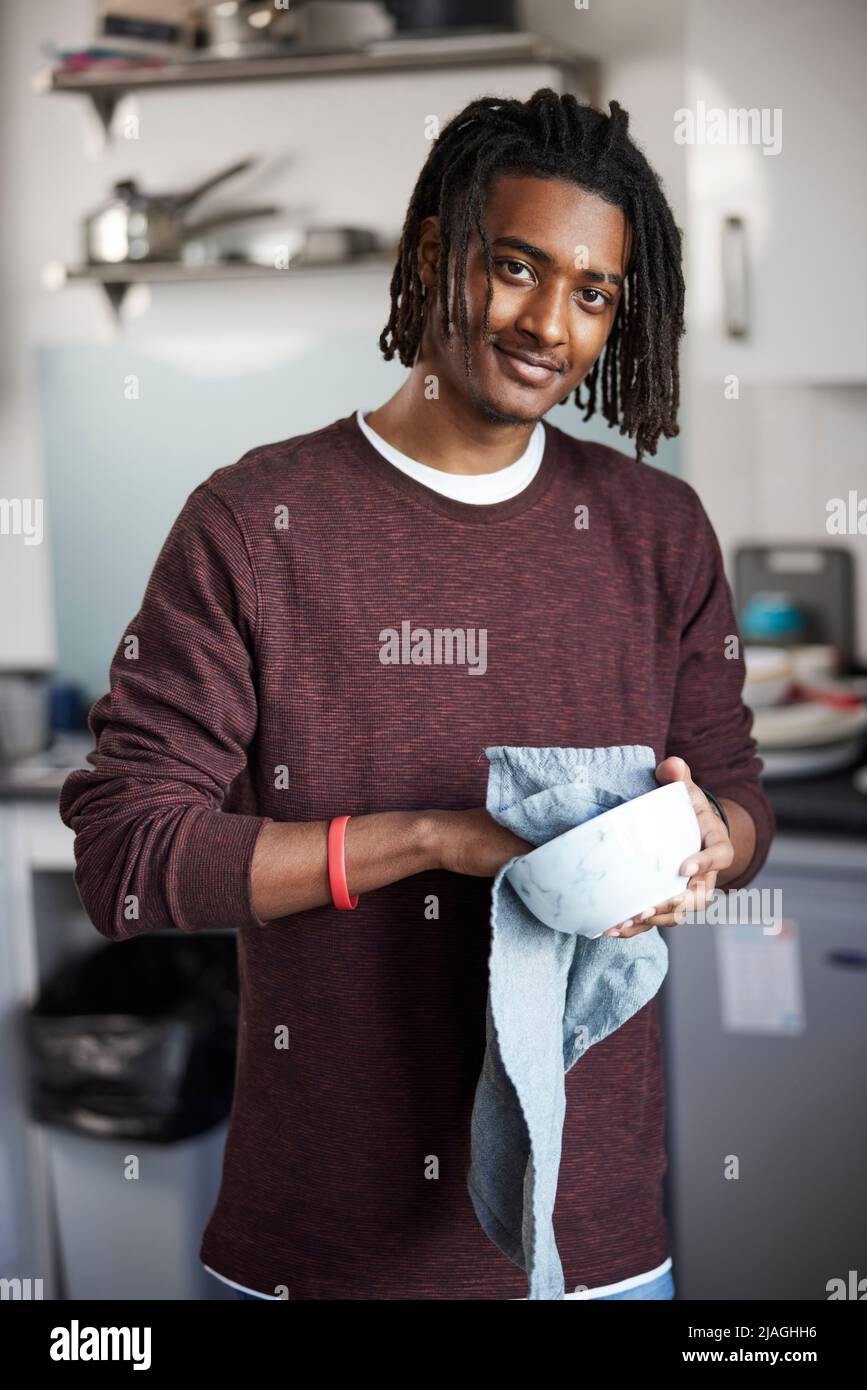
502, 413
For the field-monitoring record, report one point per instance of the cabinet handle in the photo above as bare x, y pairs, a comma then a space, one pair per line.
734, 272
850, 957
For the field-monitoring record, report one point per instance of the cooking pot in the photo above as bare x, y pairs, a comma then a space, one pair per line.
137, 226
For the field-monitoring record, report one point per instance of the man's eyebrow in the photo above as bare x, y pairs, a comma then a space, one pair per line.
609, 276
518, 244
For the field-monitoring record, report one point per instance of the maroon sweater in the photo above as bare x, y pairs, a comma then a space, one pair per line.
256, 691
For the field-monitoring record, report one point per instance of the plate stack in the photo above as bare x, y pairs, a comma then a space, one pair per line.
806, 720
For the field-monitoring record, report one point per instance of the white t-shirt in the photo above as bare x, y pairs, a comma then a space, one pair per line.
466, 487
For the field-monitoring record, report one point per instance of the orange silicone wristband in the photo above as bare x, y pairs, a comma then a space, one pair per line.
337, 866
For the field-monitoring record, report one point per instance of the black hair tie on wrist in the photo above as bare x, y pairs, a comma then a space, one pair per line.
717, 807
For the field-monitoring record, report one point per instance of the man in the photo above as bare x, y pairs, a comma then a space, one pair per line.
337, 626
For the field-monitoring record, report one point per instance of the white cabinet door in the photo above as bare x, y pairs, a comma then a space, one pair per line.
793, 171
765, 1041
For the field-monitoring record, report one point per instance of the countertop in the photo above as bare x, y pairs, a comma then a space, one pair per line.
827, 805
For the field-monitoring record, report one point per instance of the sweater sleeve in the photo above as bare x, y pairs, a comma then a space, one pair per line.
710, 726
152, 847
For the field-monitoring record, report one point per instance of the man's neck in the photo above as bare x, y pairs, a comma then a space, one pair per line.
454, 437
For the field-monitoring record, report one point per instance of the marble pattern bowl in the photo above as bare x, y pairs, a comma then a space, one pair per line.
613, 866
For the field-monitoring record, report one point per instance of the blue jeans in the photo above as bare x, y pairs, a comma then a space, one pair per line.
662, 1287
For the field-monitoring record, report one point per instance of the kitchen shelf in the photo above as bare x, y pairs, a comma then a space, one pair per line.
105, 87
117, 279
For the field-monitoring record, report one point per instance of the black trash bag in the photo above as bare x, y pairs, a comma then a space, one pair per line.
138, 1039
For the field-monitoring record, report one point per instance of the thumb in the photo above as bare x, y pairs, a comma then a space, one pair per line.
672, 770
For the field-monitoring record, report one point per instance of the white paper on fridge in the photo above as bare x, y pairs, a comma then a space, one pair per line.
760, 978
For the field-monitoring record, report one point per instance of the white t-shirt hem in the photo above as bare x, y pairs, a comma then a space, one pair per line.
631, 1283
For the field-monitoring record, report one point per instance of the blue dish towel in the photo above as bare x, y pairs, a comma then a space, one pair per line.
551, 996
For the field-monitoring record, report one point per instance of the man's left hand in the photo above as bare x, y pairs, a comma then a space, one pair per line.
716, 854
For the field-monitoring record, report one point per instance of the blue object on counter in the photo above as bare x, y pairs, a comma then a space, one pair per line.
68, 709
768, 617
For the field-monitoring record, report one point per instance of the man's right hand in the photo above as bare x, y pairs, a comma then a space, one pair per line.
472, 842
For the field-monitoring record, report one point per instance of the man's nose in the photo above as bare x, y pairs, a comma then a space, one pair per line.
544, 315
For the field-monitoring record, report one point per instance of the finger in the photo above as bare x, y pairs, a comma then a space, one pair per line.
712, 859
618, 927
670, 903
701, 883
670, 919
694, 898
674, 769
670, 913
637, 919
666, 919
645, 920
636, 929
694, 901
702, 888
713, 836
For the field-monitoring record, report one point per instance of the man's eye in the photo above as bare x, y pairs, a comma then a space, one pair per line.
601, 300
514, 266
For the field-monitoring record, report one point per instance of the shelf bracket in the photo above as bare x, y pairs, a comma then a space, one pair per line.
105, 105
116, 292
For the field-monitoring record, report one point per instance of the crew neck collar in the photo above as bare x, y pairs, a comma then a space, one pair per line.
478, 488
475, 513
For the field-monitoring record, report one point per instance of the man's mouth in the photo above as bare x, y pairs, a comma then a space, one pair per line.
534, 371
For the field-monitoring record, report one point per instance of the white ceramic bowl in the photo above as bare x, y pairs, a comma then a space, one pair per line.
612, 867
769, 672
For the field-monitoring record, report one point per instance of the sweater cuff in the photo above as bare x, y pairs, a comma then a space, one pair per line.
208, 879
756, 804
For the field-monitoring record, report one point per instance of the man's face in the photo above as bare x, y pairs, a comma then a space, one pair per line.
560, 255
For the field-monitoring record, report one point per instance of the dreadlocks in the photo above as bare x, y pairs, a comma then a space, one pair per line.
555, 136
